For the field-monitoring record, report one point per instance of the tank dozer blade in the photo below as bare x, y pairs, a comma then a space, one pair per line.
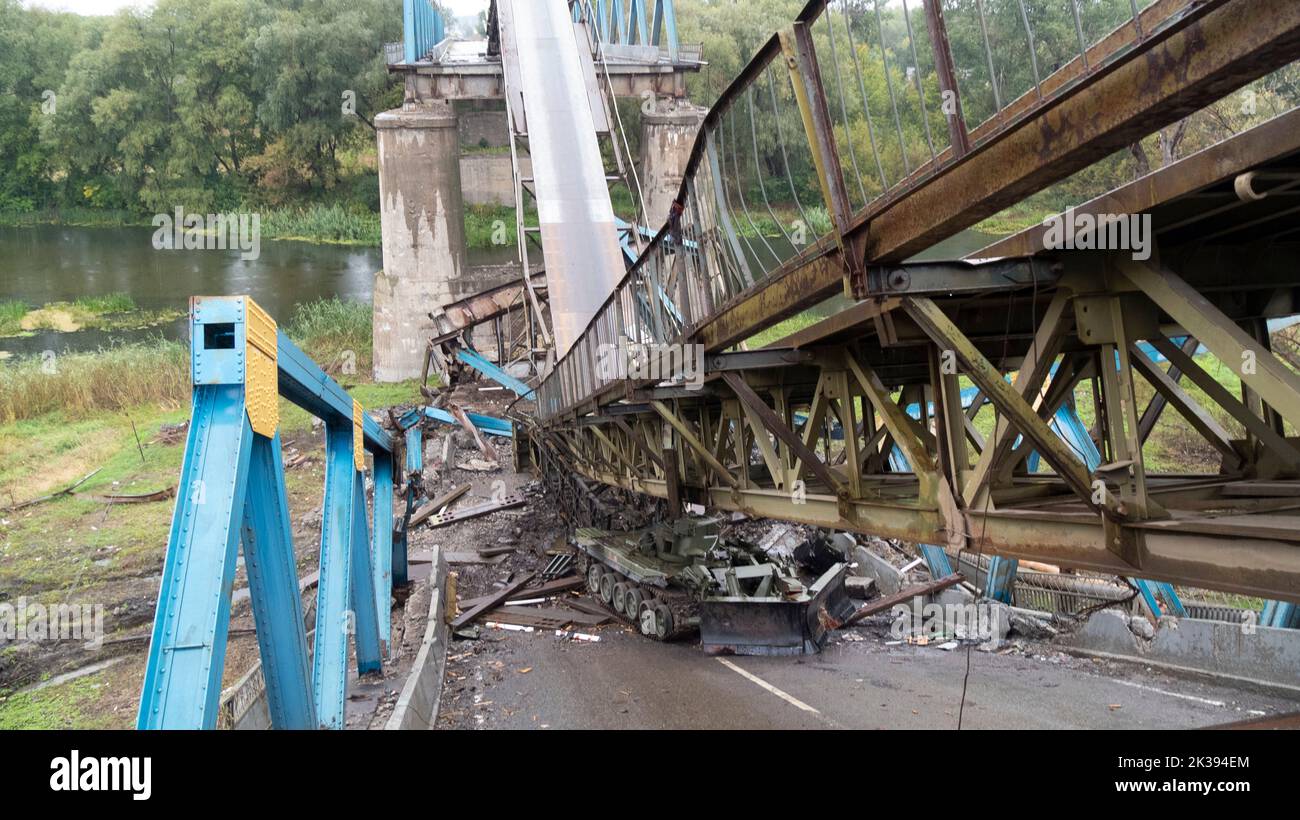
741, 625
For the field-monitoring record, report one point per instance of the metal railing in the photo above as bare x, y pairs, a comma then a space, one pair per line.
422, 29
634, 23
829, 125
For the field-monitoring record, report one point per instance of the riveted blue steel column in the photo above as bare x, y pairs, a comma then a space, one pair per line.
670, 27
408, 31
182, 681
365, 611
334, 619
1281, 615
618, 29
414, 466
381, 551
636, 22
273, 585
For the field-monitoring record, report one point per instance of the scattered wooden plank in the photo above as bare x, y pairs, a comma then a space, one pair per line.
559, 585
902, 597
536, 617
433, 507
593, 608
493, 600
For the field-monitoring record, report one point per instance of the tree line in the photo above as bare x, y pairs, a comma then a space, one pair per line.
209, 104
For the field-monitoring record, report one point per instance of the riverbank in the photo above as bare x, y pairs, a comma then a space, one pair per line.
348, 224
114, 311
324, 224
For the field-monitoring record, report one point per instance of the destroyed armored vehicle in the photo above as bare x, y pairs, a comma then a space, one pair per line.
679, 577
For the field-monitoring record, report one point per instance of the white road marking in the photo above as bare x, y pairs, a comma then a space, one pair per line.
1206, 701
791, 699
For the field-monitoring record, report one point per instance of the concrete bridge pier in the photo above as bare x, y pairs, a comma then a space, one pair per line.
421, 216
668, 129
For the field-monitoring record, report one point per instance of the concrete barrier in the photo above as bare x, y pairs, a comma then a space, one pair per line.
888, 579
1258, 655
417, 706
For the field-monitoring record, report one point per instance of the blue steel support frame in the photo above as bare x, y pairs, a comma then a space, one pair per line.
273, 584
1281, 615
1160, 597
638, 26
422, 29
491, 425
233, 493
475, 360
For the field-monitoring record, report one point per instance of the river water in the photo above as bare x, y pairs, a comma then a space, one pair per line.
44, 264
51, 263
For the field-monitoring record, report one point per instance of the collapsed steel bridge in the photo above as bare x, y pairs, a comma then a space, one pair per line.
803, 429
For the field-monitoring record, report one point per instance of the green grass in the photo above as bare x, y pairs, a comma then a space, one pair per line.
114, 311
332, 224
329, 224
336, 333
74, 217
112, 303
82, 384
68, 706
493, 226
11, 317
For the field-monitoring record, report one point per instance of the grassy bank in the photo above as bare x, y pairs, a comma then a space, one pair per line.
334, 332
330, 224
115, 311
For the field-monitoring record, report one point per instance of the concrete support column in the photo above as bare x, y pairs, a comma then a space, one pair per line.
423, 232
667, 133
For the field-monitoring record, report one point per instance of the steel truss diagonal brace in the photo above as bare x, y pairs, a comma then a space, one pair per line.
1006, 400
182, 680
273, 585
693, 441
769, 421
1256, 365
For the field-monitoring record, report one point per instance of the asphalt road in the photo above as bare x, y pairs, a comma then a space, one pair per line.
514, 680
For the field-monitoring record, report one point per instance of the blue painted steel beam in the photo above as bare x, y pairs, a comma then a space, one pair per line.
304, 383
1281, 615
422, 29
273, 587
1156, 593
636, 22
488, 424
334, 621
414, 466
365, 610
182, 679
381, 550
232, 490
618, 27
670, 26
475, 360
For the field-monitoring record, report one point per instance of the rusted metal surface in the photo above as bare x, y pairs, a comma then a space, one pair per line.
723, 451
1225, 160
1170, 75
482, 307
903, 596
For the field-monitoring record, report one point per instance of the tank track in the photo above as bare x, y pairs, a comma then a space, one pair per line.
659, 614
